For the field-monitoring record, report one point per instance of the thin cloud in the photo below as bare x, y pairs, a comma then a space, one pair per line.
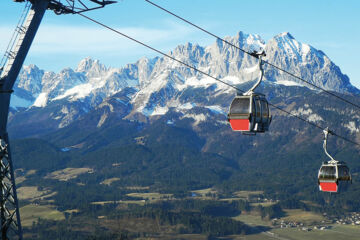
53, 39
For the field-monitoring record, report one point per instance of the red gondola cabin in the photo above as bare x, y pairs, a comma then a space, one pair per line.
249, 113
332, 175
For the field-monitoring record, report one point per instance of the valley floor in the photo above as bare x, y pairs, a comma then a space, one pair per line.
140, 223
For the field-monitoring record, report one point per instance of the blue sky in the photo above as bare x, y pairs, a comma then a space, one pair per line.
62, 41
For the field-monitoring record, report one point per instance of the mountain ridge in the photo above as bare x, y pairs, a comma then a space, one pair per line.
159, 83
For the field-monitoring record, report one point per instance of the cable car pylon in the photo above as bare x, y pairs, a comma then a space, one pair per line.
14, 58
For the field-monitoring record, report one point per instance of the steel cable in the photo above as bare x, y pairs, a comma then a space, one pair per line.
206, 74
271, 64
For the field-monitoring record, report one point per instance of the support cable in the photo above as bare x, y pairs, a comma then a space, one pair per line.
215, 78
158, 51
266, 62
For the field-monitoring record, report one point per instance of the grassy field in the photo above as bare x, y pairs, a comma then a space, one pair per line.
30, 172
68, 173
31, 213
22, 178
260, 236
72, 211
32, 193
109, 181
139, 202
252, 220
347, 230
150, 196
298, 215
19, 180
204, 191
336, 233
138, 188
247, 194
264, 204
230, 199
177, 236
309, 203
279, 234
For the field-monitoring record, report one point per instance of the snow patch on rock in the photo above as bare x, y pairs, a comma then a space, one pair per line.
216, 109
352, 127
77, 92
102, 120
288, 83
197, 118
41, 100
186, 106
312, 117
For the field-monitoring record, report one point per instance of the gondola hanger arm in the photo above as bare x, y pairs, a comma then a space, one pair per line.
258, 56
326, 132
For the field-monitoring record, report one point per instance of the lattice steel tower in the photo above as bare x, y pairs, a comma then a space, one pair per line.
10, 66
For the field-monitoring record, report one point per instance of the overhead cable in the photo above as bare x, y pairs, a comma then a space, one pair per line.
206, 74
249, 53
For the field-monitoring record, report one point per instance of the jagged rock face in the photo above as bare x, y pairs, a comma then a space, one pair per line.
30, 79
162, 83
27, 87
305, 61
57, 84
92, 68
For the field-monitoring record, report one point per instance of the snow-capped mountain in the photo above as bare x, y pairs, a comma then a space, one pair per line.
305, 61
160, 83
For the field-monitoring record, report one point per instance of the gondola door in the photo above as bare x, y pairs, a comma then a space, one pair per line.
328, 175
239, 114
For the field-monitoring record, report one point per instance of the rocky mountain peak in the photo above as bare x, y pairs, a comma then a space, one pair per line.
188, 52
159, 82
91, 67
30, 79
284, 35
305, 61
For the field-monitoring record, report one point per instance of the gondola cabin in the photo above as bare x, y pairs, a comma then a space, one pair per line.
249, 113
333, 175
